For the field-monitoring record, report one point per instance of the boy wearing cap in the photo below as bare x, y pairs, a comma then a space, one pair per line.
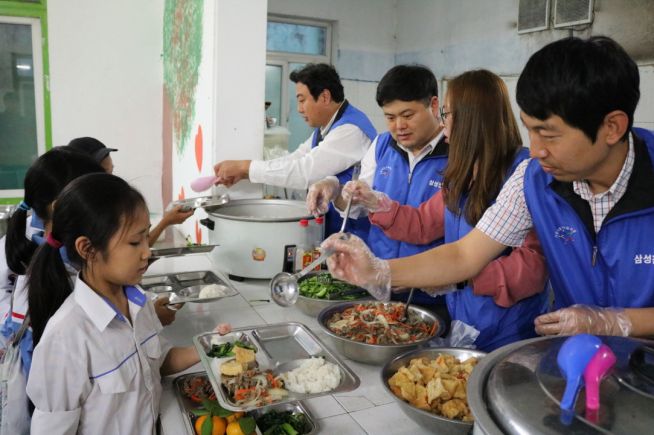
96, 149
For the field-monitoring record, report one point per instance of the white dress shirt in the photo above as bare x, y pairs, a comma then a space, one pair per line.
95, 373
341, 147
369, 167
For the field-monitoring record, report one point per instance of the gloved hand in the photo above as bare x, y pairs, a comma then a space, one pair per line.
223, 328
578, 319
362, 194
320, 194
353, 262
438, 291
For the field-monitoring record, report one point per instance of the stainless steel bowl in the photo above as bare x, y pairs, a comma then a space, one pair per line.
431, 422
313, 306
373, 353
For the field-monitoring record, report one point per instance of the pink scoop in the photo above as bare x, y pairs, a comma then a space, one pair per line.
203, 183
596, 370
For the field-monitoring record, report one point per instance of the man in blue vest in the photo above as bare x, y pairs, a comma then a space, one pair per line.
588, 191
342, 135
405, 163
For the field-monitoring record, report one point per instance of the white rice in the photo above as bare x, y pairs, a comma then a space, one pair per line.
314, 375
213, 291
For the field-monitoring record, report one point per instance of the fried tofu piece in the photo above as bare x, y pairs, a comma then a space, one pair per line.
244, 356
421, 398
454, 408
231, 368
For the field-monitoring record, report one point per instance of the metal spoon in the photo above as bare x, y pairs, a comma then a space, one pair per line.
284, 288
406, 305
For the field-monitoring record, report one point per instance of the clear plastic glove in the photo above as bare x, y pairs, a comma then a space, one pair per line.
353, 262
578, 319
438, 291
321, 194
223, 328
362, 194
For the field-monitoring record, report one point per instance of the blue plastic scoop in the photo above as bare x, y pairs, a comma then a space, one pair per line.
573, 358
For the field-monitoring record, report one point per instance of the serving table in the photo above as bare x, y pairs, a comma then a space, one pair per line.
366, 410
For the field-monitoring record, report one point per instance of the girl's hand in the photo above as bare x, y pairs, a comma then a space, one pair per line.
362, 194
223, 328
353, 262
165, 313
176, 216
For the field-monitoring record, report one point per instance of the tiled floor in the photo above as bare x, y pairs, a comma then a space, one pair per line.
367, 410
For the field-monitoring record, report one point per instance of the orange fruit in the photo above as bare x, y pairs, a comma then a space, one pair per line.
235, 416
234, 428
219, 425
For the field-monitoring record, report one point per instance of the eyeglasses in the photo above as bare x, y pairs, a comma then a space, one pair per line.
443, 113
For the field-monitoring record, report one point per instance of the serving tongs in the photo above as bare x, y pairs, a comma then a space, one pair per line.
284, 288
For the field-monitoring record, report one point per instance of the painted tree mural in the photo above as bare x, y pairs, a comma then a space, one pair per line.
182, 57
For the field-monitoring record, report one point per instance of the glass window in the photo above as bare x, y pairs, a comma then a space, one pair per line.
297, 38
18, 129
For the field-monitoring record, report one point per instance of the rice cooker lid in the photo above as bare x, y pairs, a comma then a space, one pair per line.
524, 388
261, 210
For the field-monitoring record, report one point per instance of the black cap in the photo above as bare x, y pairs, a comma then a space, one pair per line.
92, 147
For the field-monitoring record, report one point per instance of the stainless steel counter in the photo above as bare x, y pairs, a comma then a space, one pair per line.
366, 410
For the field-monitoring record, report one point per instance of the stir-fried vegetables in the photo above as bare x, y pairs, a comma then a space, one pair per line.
323, 286
227, 349
254, 388
197, 388
379, 323
283, 423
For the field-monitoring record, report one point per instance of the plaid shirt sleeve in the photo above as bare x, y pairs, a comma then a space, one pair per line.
508, 220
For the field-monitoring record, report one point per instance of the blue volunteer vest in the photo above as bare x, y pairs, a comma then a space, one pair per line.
613, 267
497, 326
347, 114
393, 177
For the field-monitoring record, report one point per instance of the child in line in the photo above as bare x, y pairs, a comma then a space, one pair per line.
44, 180
98, 359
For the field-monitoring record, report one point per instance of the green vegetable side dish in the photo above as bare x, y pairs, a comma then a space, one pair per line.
323, 286
226, 349
283, 423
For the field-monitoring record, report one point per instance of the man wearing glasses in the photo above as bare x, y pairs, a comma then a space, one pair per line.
405, 163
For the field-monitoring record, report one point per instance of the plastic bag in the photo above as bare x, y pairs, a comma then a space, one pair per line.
461, 335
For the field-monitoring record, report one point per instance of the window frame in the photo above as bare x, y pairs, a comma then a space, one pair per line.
284, 58
35, 15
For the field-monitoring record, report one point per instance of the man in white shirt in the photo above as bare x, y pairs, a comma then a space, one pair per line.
341, 137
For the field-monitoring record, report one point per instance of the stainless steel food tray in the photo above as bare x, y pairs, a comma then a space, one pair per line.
187, 406
186, 285
279, 346
200, 202
179, 250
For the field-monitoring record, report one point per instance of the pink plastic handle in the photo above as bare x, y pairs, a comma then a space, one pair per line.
203, 183
596, 370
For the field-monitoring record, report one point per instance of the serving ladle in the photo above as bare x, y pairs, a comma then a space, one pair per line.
284, 287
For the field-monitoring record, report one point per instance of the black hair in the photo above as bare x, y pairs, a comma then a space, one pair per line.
318, 77
407, 83
580, 80
47, 176
95, 206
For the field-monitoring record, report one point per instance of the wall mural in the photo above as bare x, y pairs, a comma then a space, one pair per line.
182, 58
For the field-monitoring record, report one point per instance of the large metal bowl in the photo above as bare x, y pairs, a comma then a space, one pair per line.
373, 353
313, 306
431, 422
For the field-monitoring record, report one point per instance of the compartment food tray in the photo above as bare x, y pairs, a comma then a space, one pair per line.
186, 285
279, 347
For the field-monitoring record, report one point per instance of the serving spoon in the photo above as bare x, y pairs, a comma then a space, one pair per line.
201, 184
284, 288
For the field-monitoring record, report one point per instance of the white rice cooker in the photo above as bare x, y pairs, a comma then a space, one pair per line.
252, 234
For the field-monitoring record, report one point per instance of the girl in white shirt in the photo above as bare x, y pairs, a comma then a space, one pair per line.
98, 362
